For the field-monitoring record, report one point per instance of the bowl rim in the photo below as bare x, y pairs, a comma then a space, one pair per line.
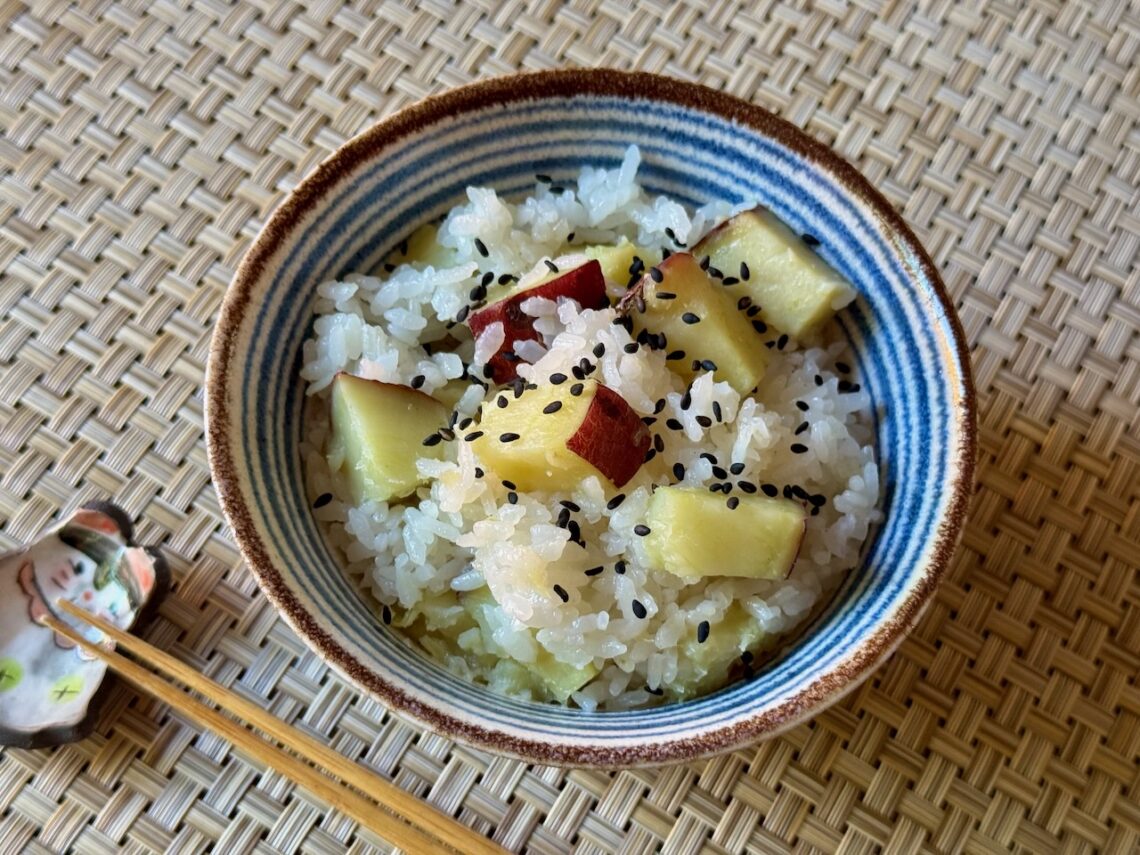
829, 687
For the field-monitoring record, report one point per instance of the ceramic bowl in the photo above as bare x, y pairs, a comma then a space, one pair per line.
696, 145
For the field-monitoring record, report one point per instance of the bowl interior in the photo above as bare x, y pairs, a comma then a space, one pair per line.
415, 168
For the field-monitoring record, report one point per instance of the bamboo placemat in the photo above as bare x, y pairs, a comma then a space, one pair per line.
142, 144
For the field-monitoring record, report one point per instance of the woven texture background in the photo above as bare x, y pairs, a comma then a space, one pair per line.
142, 142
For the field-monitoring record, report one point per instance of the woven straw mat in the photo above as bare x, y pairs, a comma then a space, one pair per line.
144, 141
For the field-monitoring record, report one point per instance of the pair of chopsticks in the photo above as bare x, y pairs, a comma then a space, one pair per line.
395, 815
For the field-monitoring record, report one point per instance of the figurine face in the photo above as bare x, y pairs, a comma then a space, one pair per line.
46, 682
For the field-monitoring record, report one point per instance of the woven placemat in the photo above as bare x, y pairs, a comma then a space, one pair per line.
144, 141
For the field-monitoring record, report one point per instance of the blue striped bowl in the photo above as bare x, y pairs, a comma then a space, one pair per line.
696, 145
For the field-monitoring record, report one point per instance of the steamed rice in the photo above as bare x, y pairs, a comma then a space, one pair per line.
459, 533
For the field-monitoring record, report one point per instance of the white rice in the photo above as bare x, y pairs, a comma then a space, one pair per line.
459, 533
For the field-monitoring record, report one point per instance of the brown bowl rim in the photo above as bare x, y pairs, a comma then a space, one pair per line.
537, 85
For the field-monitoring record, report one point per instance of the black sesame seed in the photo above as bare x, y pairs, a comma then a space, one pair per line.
696, 366
576, 389
561, 592
800, 493
674, 355
770, 490
788, 491
673, 424
665, 295
641, 530
488, 371
656, 275
631, 347
462, 314
687, 399
733, 503
746, 657
544, 179
510, 485
639, 301
717, 414
704, 421
729, 280
619, 568
842, 367
578, 373
504, 279
665, 252
802, 427
815, 512
782, 341
501, 402
659, 443
513, 497
557, 377
386, 614
726, 488
389, 268
753, 311
638, 609
599, 350
552, 407
447, 433
474, 435
659, 406
810, 240
802, 406
482, 247
488, 278
769, 344
613, 503
563, 518
799, 448
719, 472
649, 420
690, 318
818, 499
463, 425
673, 236
704, 262
417, 381
655, 690
570, 506
636, 266
679, 471
736, 468
649, 455
550, 265
711, 458
434, 439
746, 487
708, 365
479, 473
702, 632
574, 529
595, 571
322, 500
744, 272
715, 488
570, 237
508, 437
715, 273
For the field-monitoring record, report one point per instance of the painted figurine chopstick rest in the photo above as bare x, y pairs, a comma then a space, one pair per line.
50, 691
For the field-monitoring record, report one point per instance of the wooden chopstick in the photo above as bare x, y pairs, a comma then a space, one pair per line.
383, 818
